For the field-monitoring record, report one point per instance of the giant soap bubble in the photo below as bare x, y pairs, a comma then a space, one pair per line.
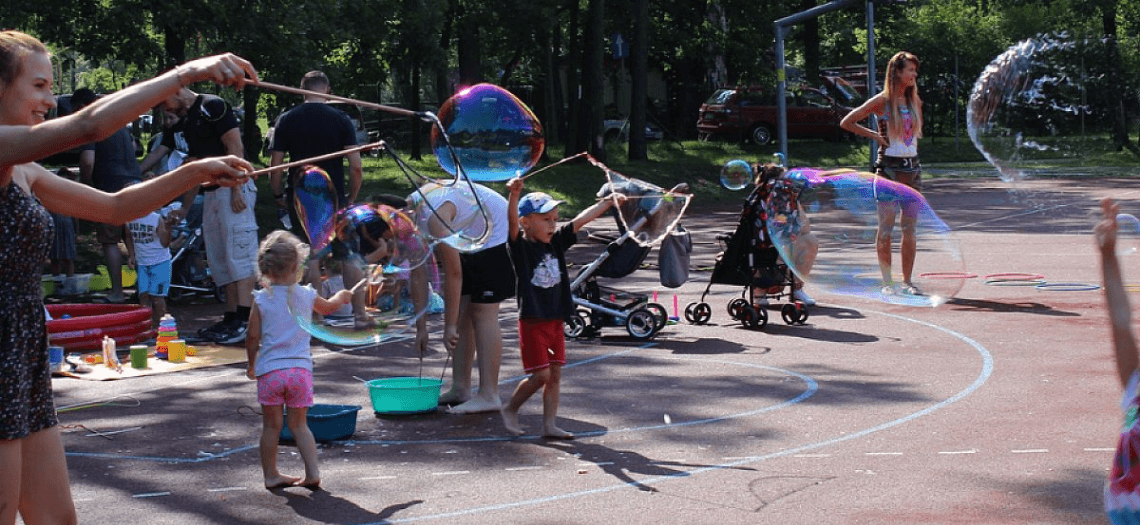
646, 209
493, 133
840, 209
1028, 107
391, 237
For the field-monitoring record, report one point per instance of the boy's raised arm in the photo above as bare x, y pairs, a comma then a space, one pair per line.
595, 211
514, 186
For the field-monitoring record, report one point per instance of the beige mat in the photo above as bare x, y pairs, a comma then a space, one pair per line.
208, 355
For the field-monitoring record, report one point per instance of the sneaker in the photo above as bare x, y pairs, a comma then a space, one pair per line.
211, 332
802, 296
760, 302
888, 289
236, 334
910, 289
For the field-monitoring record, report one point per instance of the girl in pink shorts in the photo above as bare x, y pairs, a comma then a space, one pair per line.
279, 355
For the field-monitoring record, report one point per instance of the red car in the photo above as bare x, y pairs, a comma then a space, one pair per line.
752, 114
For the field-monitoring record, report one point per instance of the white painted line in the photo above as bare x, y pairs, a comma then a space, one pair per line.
812, 456
533, 467
884, 453
452, 473
599, 464
971, 451
225, 489
1101, 449
377, 477
1030, 451
150, 495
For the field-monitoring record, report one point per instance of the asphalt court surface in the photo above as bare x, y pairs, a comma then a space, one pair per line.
999, 407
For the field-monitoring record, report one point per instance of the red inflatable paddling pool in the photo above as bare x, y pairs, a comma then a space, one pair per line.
88, 323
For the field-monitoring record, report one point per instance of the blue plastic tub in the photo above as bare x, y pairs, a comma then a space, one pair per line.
328, 422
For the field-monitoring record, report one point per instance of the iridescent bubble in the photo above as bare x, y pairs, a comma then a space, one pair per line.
843, 219
1127, 234
393, 312
493, 133
736, 174
314, 197
389, 237
1029, 103
460, 214
647, 210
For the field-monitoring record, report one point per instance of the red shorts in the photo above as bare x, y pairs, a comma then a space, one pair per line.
542, 343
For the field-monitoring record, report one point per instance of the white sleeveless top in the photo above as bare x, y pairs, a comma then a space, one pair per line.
284, 344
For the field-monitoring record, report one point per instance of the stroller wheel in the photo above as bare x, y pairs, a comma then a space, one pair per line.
576, 325
660, 313
698, 313
736, 308
641, 324
794, 313
751, 317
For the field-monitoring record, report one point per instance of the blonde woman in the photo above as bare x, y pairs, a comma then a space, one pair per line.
898, 114
34, 483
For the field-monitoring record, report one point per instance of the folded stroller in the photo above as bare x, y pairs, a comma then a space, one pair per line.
749, 259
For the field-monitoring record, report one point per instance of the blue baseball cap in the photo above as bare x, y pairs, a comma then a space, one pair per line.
537, 202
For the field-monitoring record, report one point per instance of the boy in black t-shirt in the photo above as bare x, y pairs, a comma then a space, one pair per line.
544, 300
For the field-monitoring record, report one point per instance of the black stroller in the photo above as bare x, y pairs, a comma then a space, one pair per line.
650, 212
189, 271
749, 259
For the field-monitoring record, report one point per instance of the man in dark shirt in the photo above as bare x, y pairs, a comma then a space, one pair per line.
311, 129
229, 227
109, 165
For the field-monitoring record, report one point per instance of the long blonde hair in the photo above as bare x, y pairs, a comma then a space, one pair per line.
280, 259
891, 87
14, 46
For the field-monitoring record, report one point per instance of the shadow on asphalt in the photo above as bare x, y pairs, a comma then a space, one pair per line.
322, 506
998, 306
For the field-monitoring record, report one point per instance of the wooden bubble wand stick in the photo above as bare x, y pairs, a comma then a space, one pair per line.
329, 96
313, 160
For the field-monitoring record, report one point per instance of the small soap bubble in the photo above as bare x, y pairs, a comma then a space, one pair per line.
736, 174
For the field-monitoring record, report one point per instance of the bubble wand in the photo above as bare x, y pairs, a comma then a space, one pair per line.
313, 160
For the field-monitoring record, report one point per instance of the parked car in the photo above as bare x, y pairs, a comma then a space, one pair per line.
618, 129
751, 114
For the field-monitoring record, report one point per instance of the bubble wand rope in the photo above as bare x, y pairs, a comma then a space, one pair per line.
313, 160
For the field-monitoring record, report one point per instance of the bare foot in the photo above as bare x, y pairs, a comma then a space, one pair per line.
511, 421
554, 432
476, 405
454, 397
280, 482
314, 484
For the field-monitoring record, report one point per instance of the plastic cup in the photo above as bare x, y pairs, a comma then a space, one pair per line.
176, 351
139, 356
55, 358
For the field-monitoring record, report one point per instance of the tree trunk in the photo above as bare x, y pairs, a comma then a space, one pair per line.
639, 88
417, 129
469, 52
573, 84
593, 83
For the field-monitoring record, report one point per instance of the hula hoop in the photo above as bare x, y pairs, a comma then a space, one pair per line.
1068, 287
1015, 276
948, 275
1014, 282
